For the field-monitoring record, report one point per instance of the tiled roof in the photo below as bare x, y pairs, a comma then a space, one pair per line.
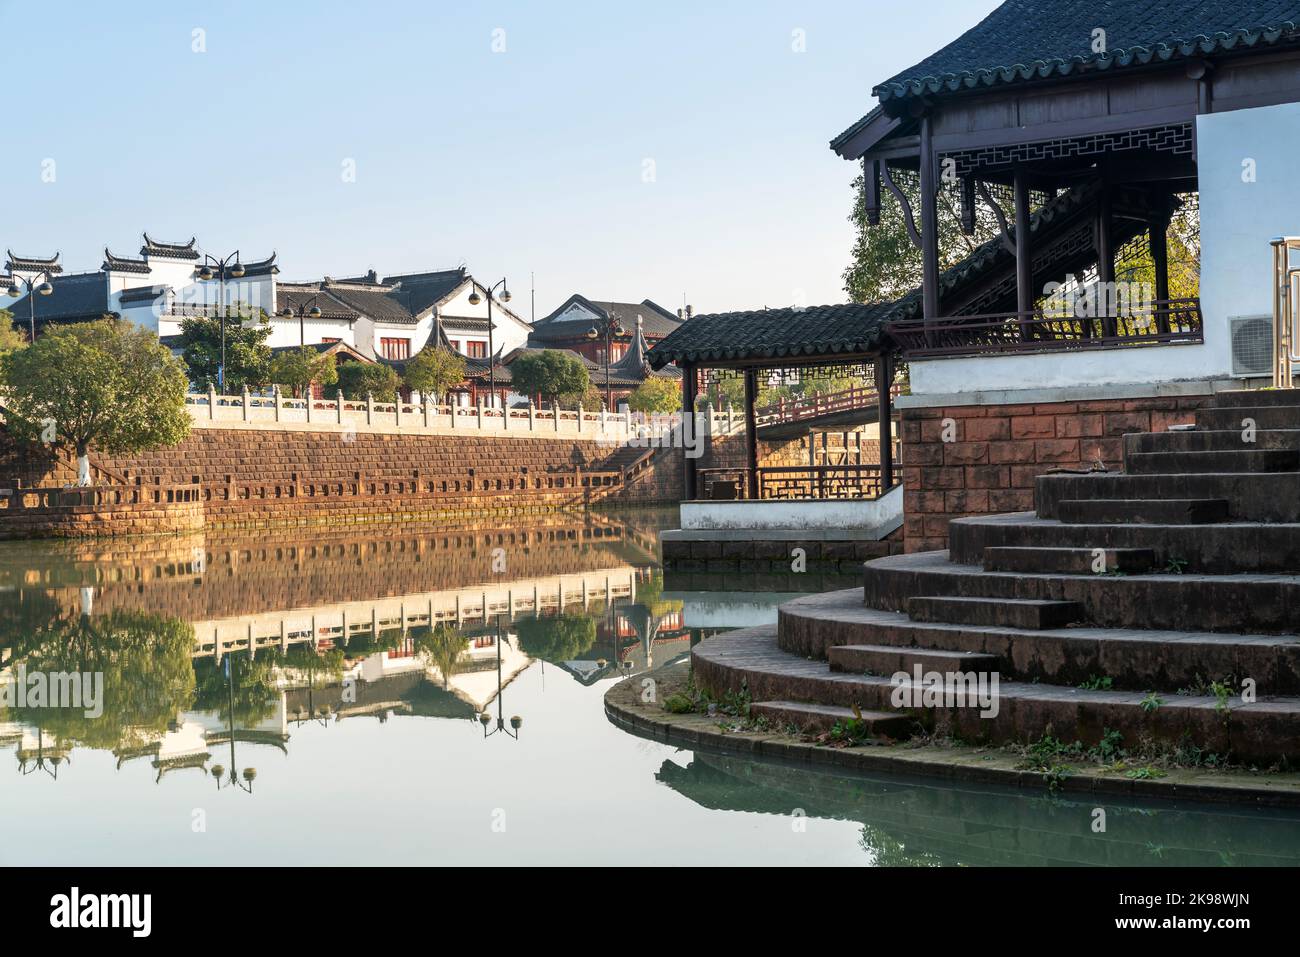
264, 267
381, 303
169, 250
142, 294
657, 321
776, 333
76, 298
32, 263
1038, 39
122, 263
297, 296
422, 290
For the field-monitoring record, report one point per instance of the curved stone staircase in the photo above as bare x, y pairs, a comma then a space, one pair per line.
1142, 602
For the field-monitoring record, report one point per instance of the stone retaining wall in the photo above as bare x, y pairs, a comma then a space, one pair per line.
996, 452
83, 512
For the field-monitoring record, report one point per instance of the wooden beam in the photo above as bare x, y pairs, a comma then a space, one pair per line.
929, 223
1105, 252
1024, 257
871, 190
1159, 241
690, 388
884, 374
968, 205
751, 430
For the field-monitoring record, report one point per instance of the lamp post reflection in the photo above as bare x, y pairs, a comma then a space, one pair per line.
218, 772
485, 719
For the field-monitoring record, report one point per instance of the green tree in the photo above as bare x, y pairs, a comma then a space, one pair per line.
107, 385
357, 379
298, 368
442, 647
10, 338
886, 264
248, 357
433, 372
656, 395
550, 374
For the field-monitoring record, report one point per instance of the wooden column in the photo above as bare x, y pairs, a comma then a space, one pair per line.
929, 224
884, 381
1105, 258
751, 431
1159, 240
690, 386
1024, 257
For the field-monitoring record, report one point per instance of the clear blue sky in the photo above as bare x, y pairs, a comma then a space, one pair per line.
531, 159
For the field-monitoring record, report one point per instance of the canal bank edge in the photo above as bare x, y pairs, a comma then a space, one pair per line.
625, 709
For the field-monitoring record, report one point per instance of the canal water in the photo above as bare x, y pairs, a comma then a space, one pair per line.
350, 697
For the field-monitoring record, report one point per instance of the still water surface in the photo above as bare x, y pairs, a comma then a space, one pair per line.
348, 672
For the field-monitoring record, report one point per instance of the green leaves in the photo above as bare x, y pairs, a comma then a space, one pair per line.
549, 373
248, 357
356, 379
104, 385
656, 395
297, 369
433, 372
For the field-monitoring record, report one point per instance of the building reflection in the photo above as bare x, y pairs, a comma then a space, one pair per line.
230, 646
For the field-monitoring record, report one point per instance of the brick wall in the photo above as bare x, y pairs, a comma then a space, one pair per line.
998, 450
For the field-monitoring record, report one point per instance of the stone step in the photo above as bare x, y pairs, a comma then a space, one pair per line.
1013, 612
1237, 460
1203, 440
1225, 548
1257, 604
1259, 731
890, 659
1134, 659
1255, 398
1262, 417
818, 718
1069, 561
1168, 511
1254, 497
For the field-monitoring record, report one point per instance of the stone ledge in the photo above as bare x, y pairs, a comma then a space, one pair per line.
1046, 396
624, 708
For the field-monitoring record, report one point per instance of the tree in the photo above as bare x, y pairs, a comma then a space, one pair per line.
432, 372
299, 368
656, 395
358, 379
550, 374
886, 264
248, 357
10, 338
107, 385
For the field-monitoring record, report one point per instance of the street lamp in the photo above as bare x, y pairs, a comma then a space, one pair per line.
313, 313
610, 326
474, 300
229, 267
43, 289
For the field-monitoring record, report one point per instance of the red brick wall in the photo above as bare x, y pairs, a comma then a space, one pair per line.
998, 450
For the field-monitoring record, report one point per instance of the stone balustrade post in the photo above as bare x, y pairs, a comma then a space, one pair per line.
339, 403
212, 401
370, 407
246, 403
580, 418
532, 416
275, 395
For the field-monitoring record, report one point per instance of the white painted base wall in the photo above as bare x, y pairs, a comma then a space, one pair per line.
881, 515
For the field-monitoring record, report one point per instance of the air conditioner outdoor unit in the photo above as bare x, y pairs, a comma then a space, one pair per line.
1252, 346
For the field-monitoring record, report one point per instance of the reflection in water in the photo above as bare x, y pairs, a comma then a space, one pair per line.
341, 672
911, 824
214, 649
